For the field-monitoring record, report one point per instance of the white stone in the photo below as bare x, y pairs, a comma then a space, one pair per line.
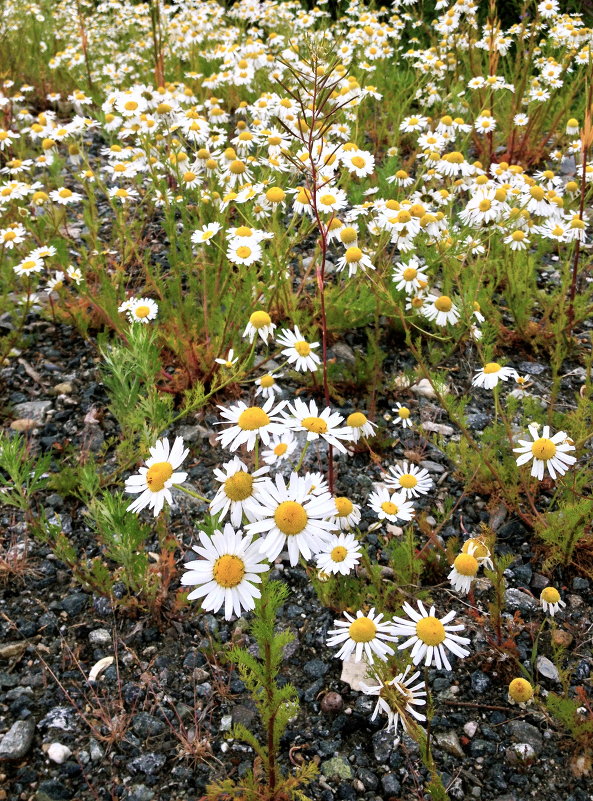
58, 753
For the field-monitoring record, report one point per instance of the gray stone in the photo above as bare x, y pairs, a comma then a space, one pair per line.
241, 713
344, 353
391, 785
17, 740
448, 741
516, 599
580, 584
74, 604
33, 410
147, 763
438, 428
226, 722
532, 368
523, 732
315, 668
538, 582
478, 421
59, 717
336, 768
95, 750
520, 754
480, 682
383, 744
145, 725
139, 792
432, 467
100, 637
546, 668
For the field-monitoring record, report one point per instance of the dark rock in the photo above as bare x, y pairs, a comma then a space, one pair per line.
244, 714
522, 574
478, 421
332, 703
531, 368
368, 778
480, 682
315, 668
147, 763
523, 732
55, 790
74, 604
383, 744
145, 725
391, 785
580, 584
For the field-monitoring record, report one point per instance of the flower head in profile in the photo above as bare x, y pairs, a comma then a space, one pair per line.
548, 452
551, 601
520, 692
227, 573
260, 324
463, 572
429, 636
360, 426
153, 482
347, 514
362, 635
397, 698
492, 372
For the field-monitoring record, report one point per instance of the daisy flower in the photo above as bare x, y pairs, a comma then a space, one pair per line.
249, 422
229, 361
28, 266
441, 310
517, 240
464, 571
354, 258
240, 252
291, 515
331, 200
409, 277
260, 323
153, 482
64, 196
325, 425
402, 415
392, 506
409, 480
226, 573
280, 448
205, 233
346, 514
520, 692
142, 310
492, 372
362, 634
340, 554
238, 493
397, 698
551, 601
360, 426
298, 351
546, 452
14, 235
429, 636
266, 385
358, 162
318, 484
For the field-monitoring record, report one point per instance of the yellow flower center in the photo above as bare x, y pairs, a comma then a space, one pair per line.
290, 517
237, 167
409, 274
444, 303
9, 236
142, 311
228, 570
518, 236
403, 412
65, 193
550, 595
485, 204
252, 419
344, 506
543, 449
243, 230
491, 367
239, 486
339, 553
275, 194
537, 192
131, 105
28, 265
302, 348
189, 176
260, 319
520, 690
353, 255
243, 252
358, 161
157, 475
466, 564
267, 381
430, 630
362, 630
356, 420
348, 234
315, 424
280, 449
389, 507
327, 200
407, 481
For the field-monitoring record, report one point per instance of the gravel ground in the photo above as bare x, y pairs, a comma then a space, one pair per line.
168, 699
